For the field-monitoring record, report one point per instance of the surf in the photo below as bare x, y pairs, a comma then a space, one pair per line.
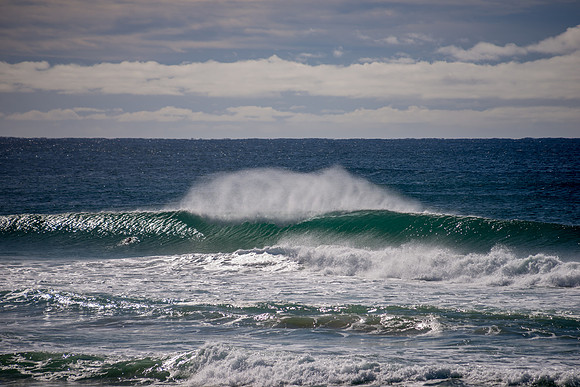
283, 196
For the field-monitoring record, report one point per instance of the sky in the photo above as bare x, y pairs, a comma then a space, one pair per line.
290, 68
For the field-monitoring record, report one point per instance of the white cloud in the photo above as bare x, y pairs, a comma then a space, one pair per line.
257, 113
306, 56
483, 51
52, 115
77, 113
564, 43
339, 52
393, 40
554, 78
165, 114
232, 114
410, 38
463, 118
359, 117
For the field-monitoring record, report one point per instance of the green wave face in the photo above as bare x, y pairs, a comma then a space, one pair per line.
96, 234
146, 233
468, 233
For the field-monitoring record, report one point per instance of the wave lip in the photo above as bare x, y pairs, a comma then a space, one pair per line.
98, 224
89, 233
282, 195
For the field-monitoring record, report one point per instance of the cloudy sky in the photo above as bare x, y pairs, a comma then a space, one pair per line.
290, 68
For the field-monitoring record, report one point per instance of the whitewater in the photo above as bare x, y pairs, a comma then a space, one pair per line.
290, 262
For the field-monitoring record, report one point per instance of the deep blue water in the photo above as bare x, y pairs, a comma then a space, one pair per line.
529, 179
290, 262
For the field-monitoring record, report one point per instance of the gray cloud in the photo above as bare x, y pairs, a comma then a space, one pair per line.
109, 30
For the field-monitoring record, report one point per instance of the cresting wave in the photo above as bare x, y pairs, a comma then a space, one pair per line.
98, 233
259, 207
327, 221
183, 232
280, 195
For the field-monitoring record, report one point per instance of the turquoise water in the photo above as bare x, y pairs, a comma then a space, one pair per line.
290, 262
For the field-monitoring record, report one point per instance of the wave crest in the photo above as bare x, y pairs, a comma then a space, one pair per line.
277, 194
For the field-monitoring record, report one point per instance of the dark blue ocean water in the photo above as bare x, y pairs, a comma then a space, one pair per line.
529, 179
290, 262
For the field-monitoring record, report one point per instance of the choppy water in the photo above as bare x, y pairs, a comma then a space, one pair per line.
290, 262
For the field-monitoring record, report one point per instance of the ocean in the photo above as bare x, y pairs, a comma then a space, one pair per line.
290, 262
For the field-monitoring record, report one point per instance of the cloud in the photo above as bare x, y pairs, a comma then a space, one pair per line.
77, 113
165, 114
391, 40
52, 115
386, 115
112, 30
551, 78
306, 56
409, 38
406, 39
565, 43
232, 114
483, 51
461, 118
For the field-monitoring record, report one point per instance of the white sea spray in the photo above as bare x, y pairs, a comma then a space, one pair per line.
268, 193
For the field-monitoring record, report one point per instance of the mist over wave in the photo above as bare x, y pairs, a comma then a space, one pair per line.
276, 194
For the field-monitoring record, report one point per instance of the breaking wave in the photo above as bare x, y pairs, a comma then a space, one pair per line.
224, 365
183, 232
281, 195
327, 221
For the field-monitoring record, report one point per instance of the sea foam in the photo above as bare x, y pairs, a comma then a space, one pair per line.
282, 195
223, 365
499, 266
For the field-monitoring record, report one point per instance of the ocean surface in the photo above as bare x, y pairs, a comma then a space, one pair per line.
290, 262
